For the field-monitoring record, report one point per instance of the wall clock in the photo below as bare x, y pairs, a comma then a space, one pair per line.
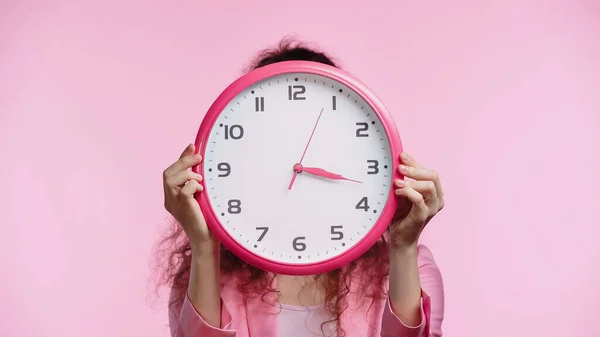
299, 163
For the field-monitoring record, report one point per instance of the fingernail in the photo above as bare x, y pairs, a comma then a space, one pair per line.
198, 156
403, 168
399, 183
405, 156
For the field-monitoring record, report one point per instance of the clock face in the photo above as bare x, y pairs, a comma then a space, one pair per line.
249, 160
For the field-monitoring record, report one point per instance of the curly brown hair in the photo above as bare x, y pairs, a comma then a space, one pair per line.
372, 268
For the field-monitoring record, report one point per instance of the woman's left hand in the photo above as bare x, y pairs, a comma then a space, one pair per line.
420, 198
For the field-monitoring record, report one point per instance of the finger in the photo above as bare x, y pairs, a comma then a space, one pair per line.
183, 163
417, 173
408, 160
191, 188
426, 188
179, 179
423, 174
419, 210
188, 150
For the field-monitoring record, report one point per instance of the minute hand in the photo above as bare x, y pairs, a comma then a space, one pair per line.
326, 174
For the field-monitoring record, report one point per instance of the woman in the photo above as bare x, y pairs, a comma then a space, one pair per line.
394, 289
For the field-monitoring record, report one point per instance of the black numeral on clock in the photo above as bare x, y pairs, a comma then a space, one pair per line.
298, 244
373, 167
234, 206
336, 232
362, 129
333, 103
363, 204
259, 104
264, 232
295, 92
224, 167
234, 131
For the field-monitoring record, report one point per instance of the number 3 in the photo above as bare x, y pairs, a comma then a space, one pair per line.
374, 167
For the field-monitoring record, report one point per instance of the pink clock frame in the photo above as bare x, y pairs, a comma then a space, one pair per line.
395, 146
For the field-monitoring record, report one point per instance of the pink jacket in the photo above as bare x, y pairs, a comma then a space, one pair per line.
259, 319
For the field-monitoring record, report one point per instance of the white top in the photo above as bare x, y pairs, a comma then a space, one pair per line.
300, 321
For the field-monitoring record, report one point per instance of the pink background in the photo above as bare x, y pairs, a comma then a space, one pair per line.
502, 97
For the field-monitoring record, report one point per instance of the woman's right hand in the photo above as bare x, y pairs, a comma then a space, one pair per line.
180, 184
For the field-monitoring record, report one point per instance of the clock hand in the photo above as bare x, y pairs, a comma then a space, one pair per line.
322, 173
306, 148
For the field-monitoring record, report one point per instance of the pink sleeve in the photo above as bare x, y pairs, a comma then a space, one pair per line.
185, 321
432, 303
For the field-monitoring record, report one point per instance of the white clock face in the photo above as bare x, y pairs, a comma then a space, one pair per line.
249, 164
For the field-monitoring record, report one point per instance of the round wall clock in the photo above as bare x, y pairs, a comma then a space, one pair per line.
299, 163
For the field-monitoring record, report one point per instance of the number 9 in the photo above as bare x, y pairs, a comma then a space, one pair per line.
224, 167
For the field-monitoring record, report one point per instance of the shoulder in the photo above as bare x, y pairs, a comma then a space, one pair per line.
176, 299
432, 285
424, 255
427, 264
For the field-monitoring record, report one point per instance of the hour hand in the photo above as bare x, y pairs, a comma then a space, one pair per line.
322, 173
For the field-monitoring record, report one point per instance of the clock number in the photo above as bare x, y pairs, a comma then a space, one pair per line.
234, 131
374, 168
299, 246
264, 232
234, 206
294, 94
361, 131
224, 167
363, 204
259, 104
336, 230
333, 103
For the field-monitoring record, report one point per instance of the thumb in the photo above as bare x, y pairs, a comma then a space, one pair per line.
189, 150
